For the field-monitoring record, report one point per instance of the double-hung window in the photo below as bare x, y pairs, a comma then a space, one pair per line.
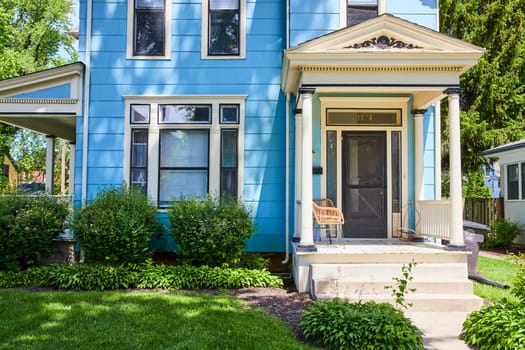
223, 29
148, 29
185, 147
516, 181
358, 11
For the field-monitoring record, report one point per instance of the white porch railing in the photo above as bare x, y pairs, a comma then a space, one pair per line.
434, 218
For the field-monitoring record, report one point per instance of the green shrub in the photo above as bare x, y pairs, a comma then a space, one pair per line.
502, 234
145, 276
337, 324
210, 232
117, 227
254, 261
499, 326
28, 225
518, 287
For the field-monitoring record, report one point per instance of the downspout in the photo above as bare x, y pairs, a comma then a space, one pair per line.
86, 101
287, 185
287, 176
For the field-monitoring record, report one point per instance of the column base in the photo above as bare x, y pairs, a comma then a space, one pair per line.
296, 239
457, 248
305, 248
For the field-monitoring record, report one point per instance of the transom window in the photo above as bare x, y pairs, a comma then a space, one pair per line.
184, 149
223, 29
358, 11
516, 181
148, 29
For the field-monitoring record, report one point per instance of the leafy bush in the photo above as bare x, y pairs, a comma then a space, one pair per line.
338, 324
254, 261
499, 326
28, 225
210, 232
518, 287
146, 275
117, 227
502, 234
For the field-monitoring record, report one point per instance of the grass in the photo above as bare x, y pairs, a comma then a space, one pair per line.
496, 270
145, 320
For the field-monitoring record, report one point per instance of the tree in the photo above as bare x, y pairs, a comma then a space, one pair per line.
33, 36
494, 93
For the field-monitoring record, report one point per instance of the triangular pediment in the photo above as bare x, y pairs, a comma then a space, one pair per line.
385, 33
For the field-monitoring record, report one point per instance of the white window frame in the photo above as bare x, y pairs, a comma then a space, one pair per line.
205, 38
214, 128
381, 8
131, 33
520, 183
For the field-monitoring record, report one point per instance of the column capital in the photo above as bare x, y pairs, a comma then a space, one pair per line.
306, 90
453, 90
419, 112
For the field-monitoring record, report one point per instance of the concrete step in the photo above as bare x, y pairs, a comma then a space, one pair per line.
371, 272
355, 288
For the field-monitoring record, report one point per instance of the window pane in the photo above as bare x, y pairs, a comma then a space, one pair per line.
360, 10
138, 179
140, 114
512, 182
139, 159
224, 33
229, 114
229, 181
149, 4
182, 114
522, 180
183, 148
149, 33
224, 4
187, 183
229, 161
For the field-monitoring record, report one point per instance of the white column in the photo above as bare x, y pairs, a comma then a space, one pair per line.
307, 237
419, 148
72, 154
298, 162
50, 162
456, 198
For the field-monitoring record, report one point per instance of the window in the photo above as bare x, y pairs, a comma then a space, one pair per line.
148, 29
185, 148
5, 170
516, 181
358, 11
223, 29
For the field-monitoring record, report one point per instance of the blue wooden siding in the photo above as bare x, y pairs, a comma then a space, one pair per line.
257, 76
59, 91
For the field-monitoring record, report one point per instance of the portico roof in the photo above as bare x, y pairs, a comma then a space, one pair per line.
386, 54
46, 102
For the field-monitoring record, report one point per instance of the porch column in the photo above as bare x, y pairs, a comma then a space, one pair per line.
419, 146
456, 198
298, 140
72, 154
307, 236
50, 162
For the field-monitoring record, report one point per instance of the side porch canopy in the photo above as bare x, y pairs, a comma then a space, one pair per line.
383, 56
46, 102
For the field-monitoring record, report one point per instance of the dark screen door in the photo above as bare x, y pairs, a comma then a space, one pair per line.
364, 184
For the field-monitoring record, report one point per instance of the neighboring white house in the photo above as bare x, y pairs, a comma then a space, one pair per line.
512, 171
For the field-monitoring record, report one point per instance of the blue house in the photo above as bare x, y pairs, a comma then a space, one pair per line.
276, 102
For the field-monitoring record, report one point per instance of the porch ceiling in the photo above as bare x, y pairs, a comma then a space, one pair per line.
61, 126
383, 55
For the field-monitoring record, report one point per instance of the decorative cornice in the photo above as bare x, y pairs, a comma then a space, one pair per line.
382, 42
51, 101
453, 91
314, 68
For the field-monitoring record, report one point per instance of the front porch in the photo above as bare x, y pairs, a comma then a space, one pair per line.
359, 270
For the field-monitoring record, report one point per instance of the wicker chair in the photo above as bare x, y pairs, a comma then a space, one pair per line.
325, 213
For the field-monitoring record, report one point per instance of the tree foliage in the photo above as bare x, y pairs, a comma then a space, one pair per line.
33, 36
494, 93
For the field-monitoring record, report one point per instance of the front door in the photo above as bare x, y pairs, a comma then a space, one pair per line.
364, 179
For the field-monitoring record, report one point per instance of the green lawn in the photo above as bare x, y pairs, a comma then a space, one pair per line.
496, 270
145, 320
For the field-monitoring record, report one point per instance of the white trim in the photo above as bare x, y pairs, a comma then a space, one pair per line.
364, 102
215, 127
167, 33
242, 33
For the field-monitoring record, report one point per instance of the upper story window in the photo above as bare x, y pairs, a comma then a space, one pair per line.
358, 11
223, 29
148, 29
